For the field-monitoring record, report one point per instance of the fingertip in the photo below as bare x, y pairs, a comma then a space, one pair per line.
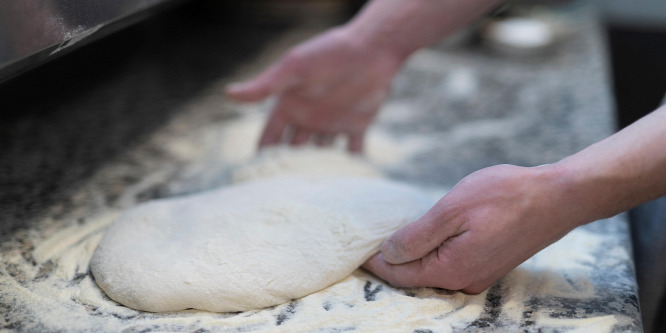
247, 91
413, 241
407, 244
269, 140
234, 88
355, 144
373, 262
380, 268
300, 137
260, 87
400, 276
266, 144
273, 131
391, 253
325, 139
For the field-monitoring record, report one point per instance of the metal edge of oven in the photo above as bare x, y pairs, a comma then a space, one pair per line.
33, 32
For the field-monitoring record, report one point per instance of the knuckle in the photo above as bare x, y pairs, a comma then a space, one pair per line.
406, 280
453, 275
434, 272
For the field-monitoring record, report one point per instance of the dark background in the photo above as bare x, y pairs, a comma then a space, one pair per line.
85, 94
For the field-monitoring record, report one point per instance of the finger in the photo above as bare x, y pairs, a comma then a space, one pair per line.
300, 137
400, 276
273, 131
479, 287
325, 139
355, 143
488, 279
271, 81
430, 271
418, 238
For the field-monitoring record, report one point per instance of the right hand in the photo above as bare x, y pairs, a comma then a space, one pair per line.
489, 223
330, 85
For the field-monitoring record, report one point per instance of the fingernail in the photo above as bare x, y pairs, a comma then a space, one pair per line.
387, 249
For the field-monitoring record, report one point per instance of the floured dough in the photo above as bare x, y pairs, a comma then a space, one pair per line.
304, 161
250, 245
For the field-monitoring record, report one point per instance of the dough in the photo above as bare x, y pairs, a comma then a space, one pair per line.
304, 161
250, 245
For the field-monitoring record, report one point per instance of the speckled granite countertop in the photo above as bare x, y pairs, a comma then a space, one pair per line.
141, 115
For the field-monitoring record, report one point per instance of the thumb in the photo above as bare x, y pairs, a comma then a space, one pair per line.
417, 239
260, 87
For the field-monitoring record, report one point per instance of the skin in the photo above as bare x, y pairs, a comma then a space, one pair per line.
335, 83
498, 217
493, 219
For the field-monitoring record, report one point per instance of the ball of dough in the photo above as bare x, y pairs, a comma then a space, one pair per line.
251, 245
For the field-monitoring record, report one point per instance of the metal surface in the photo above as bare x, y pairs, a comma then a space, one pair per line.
35, 31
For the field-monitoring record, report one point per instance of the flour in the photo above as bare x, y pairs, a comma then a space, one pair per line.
70, 249
235, 142
360, 301
304, 162
47, 285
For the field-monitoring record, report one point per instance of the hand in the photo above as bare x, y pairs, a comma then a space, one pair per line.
489, 223
333, 84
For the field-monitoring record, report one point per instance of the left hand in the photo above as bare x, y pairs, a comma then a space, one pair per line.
330, 85
489, 223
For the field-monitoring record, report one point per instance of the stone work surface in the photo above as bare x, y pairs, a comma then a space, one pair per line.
453, 111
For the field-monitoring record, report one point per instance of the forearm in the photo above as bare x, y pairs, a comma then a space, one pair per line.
616, 174
404, 26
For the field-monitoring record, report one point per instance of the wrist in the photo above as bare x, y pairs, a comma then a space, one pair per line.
402, 27
556, 197
358, 39
378, 38
579, 196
